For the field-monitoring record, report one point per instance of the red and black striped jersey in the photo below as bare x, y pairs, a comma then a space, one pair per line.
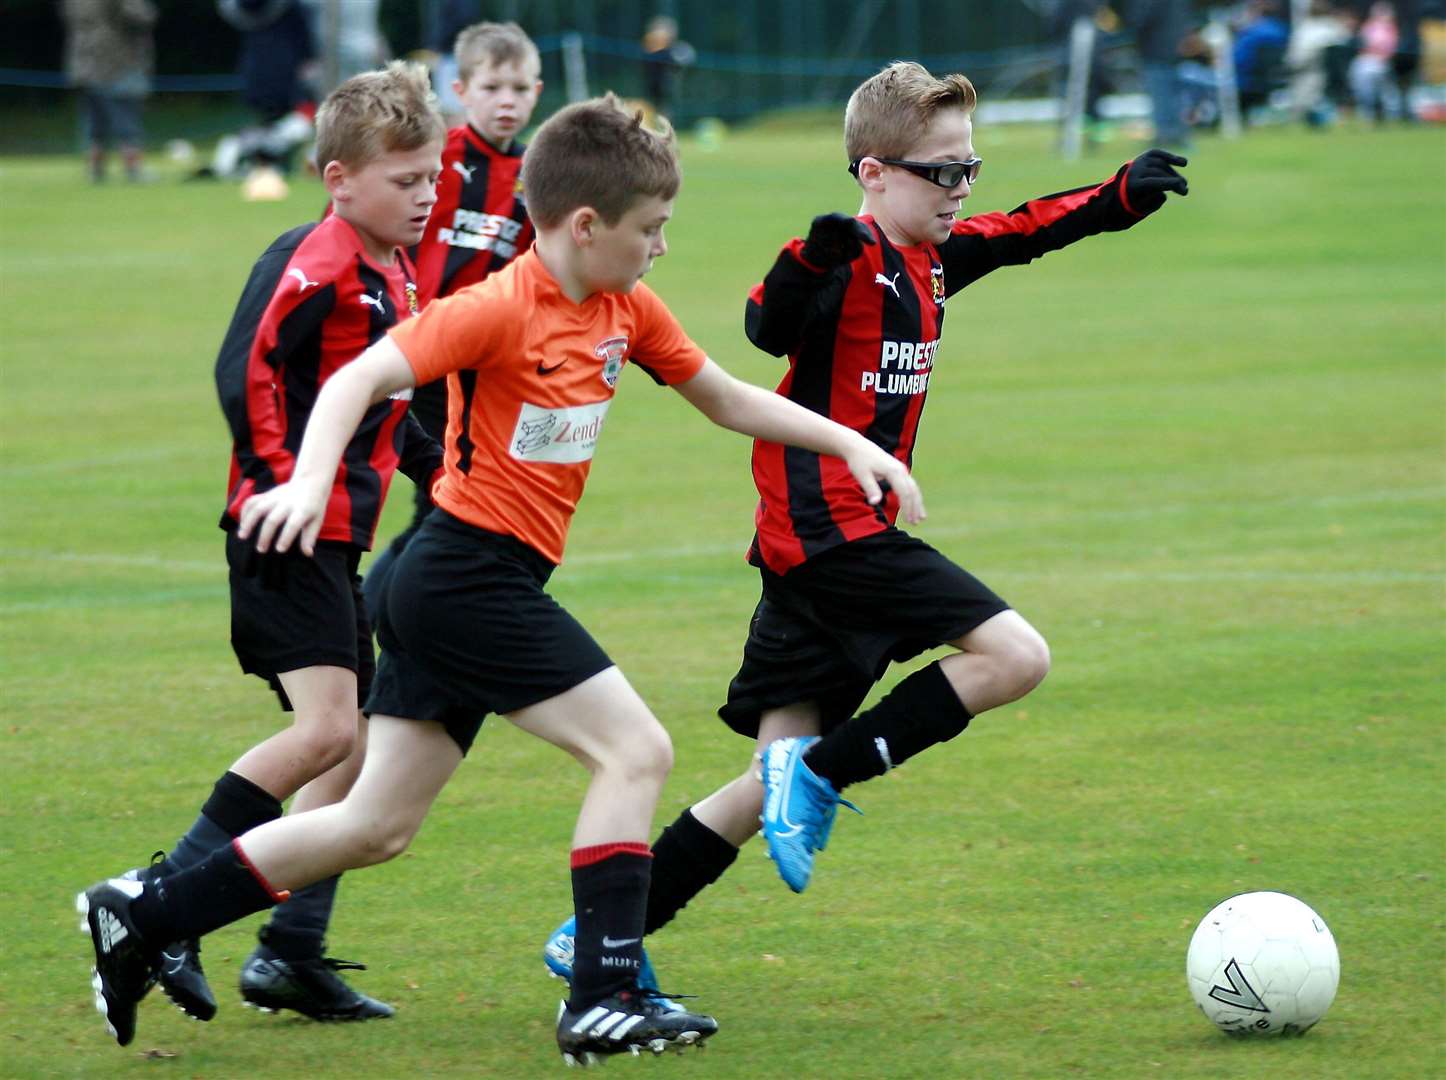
314, 302
478, 226
862, 341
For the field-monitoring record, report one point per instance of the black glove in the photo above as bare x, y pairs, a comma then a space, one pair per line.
835, 239
1151, 175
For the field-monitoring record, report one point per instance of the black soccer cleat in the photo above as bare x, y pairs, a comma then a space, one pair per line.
125, 966
310, 987
629, 1021
182, 978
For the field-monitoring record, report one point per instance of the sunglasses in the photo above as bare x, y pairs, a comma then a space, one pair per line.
946, 174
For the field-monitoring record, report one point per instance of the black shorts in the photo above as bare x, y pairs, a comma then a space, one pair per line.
828, 629
292, 611
466, 630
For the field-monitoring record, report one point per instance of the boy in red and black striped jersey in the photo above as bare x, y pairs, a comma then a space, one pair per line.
858, 308
480, 221
317, 297
537, 352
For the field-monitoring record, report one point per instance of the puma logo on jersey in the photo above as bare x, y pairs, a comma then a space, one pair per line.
465, 171
374, 301
892, 282
302, 284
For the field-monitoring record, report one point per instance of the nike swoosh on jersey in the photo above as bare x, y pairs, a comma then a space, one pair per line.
544, 370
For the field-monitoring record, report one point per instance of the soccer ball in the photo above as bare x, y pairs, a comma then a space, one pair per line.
1263, 963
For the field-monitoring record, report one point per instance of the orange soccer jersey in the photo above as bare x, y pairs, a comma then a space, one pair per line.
530, 376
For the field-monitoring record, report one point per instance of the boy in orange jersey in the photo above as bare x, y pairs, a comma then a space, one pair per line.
318, 296
532, 357
480, 221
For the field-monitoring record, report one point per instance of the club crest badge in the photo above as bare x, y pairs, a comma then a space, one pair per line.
611, 352
411, 289
936, 278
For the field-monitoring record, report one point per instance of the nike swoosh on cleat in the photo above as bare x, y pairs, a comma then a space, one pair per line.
618, 943
173, 963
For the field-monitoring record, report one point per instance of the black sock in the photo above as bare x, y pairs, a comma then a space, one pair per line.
235, 807
297, 928
610, 896
687, 858
218, 890
921, 711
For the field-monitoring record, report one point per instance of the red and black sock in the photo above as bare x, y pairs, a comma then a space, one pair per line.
220, 889
610, 896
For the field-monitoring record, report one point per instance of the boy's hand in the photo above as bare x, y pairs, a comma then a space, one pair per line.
873, 468
1151, 175
283, 515
835, 239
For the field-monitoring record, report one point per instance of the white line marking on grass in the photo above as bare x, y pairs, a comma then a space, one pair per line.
143, 562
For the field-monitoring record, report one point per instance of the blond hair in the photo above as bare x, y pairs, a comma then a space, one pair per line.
493, 43
376, 112
890, 113
596, 153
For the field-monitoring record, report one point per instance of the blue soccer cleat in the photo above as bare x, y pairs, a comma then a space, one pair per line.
557, 954
798, 809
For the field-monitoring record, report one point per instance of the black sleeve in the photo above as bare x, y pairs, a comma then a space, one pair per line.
791, 297
419, 455
984, 242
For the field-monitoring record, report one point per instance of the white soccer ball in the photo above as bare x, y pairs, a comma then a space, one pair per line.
1263, 963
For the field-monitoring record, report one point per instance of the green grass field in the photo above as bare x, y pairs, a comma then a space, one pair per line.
1204, 457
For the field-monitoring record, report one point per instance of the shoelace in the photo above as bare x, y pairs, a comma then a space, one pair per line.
652, 993
342, 965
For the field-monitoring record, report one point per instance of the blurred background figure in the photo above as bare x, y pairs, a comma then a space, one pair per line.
449, 18
1159, 27
279, 69
1315, 40
1097, 84
1373, 82
664, 56
110, 55
1261, 40
1406, 63
349, 38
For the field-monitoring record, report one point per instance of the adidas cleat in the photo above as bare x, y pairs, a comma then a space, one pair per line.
628, 1022
310, 987
125, 967
182, 978
799, 807
557, 954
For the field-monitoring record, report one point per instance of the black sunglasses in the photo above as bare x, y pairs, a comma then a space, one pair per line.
946, 174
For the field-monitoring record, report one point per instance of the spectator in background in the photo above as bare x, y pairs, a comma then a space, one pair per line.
1314, 35
1373, 85
1407, 59
1260, 43
1159, 27
1098, 84
349, 32
278, 65
110, 56
449, 18
663, 56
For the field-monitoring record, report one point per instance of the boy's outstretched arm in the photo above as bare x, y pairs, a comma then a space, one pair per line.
294, 511
751, 410
982, 243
